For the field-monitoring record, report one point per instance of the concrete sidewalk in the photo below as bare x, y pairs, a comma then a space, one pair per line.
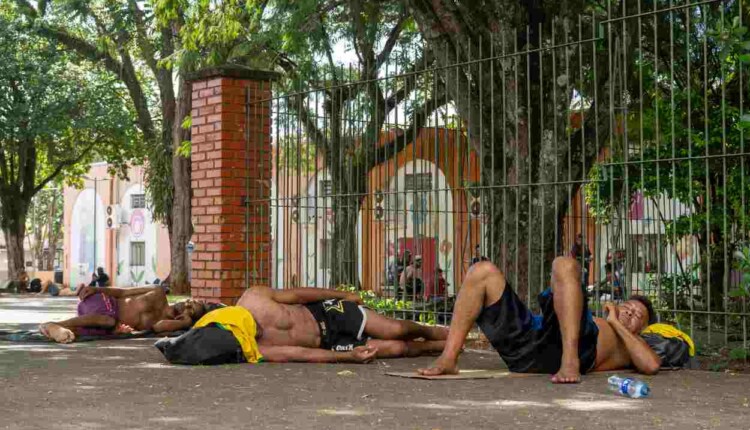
127, 385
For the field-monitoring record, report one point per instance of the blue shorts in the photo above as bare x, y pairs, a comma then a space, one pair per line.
530, 343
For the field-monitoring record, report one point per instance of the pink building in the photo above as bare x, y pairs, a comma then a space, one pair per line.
108, 224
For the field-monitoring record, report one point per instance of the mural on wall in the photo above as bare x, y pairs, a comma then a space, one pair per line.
418, 214
86, 232
317, 222
136, 240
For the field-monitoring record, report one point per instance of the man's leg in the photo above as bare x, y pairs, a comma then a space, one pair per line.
401, 348
484, 285
65, 331
568, 304
384, 328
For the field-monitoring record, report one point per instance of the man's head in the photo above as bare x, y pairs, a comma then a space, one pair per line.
477, 251
579, 239
193, 308
100, 271
636, 314
418, 260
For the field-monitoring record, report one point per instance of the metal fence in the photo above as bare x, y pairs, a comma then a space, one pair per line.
618, 138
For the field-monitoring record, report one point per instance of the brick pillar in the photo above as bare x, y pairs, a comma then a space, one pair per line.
231, 171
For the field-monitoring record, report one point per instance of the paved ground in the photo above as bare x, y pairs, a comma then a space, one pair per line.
127, 385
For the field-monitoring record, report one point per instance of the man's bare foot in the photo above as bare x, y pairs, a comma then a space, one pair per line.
57, 333
441, 366
569, 372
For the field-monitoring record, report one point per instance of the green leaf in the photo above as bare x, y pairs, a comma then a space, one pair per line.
739, 354
745, 58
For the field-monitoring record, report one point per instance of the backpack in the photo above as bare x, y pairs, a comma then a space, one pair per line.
205, 345
675, 348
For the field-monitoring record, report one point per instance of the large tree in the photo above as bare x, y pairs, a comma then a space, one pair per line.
125, 39
342, 111
515, 69
691, 115
56, 115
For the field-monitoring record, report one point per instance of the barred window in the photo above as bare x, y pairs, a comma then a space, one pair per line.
137, 201
137, 254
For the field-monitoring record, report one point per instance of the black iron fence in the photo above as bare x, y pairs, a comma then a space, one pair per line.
619, 139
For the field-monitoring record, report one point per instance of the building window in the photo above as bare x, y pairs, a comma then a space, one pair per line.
418, 182
137, 201
326, 255
137, 254
325, 188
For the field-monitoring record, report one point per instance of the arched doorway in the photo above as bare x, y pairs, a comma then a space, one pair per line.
418, 216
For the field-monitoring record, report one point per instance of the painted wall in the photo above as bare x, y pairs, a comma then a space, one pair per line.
87, 243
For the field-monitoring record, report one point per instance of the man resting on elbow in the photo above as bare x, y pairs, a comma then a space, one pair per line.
107, 310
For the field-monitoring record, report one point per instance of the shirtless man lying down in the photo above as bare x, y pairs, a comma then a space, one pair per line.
565, 340
108, 310
319, 325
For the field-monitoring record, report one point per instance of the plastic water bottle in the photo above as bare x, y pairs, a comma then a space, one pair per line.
630, 387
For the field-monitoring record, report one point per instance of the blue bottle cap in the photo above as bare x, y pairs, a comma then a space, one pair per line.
645, 391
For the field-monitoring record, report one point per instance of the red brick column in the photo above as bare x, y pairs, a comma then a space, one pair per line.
231, 171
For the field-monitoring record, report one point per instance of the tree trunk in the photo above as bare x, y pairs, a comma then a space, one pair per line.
182, 227
517, 109
344, 251
14, 235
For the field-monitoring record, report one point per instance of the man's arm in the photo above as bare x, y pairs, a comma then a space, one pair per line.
181, 323
642, 356
283, 354
301, 296
118, 292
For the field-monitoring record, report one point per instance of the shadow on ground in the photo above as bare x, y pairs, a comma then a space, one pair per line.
126, 384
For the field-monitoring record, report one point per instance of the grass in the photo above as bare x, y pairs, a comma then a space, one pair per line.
172, 299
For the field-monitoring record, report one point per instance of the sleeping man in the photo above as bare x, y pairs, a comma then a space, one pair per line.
319, 325
108, 310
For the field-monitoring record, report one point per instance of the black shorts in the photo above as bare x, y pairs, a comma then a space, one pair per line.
531, 343
341, 323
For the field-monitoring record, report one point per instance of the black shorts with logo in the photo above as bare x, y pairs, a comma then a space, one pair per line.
341, 323
530, 343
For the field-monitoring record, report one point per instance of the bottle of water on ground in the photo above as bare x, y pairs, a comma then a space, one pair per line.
630, 387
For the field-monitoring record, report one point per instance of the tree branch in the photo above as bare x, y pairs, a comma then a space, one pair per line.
90, 52
311, 129
397, 144
147, 48
391, 42
63, 165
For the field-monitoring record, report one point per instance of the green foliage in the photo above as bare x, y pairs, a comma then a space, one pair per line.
742, 264
379, 304
681, 139
57, 114
739, 354
44, 225
670, 291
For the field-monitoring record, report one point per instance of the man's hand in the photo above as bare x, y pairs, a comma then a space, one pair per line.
364, 354
612, 313
354, 297
86, 292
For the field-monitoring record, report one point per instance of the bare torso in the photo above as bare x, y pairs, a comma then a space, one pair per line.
280, 324
610, 350
142, 311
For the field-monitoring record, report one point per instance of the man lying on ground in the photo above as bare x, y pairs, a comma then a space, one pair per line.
319, 325
108, 310
565, 340
53, 289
